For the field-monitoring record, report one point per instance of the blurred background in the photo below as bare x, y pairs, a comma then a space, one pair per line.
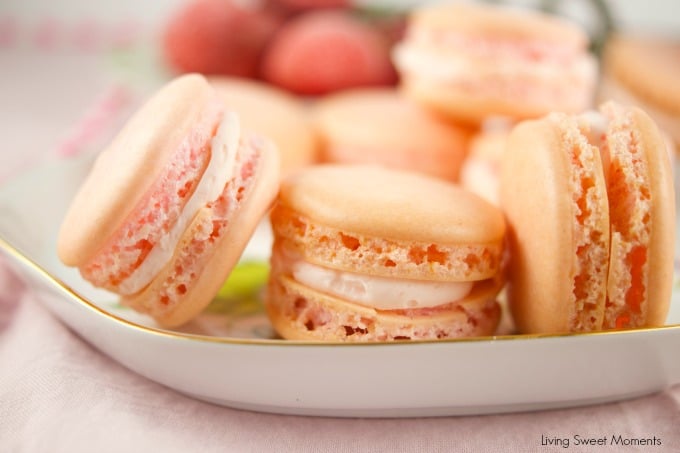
72, 70
654, 15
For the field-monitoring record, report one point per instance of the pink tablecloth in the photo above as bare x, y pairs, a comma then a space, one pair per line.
58, 394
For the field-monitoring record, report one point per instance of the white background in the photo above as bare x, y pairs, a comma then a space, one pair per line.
650, 15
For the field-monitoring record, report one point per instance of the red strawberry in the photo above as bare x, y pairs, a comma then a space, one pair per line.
218, 37
324, 51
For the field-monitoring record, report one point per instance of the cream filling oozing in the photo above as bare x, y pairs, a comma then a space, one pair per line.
220, 170
379, 292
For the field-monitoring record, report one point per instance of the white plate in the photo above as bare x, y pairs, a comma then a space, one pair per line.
229, 356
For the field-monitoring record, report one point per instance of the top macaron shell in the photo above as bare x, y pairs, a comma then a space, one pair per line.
359, 126
401, 206
121, 174
500, 22
391, 223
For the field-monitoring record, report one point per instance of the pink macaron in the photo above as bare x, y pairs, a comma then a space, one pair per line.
380, 126
169, 206
473, 61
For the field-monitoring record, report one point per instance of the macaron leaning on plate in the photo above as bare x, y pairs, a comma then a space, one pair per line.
366, 253
380, 126
169, 206
472, 61
590, 206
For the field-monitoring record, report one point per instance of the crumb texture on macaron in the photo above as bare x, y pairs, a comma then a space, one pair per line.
590, 236
387, 257
170, 205
630, 202
590, 204
403, 255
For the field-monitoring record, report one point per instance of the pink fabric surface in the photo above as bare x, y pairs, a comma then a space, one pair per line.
58, 394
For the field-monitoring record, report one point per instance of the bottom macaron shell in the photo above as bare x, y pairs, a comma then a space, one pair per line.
300, 313
211, 245
461, 104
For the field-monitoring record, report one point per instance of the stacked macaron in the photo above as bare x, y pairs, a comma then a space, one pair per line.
365, 253
589, 201
169, 206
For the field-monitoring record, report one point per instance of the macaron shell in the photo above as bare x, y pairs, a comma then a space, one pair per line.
473, 108
215, 264
392, 204
300, 313
662, 234
358, 126
500, 22
648, 66
658, 183
611, 89
275, 114
480, 173
124, 171
378, 256
543, 235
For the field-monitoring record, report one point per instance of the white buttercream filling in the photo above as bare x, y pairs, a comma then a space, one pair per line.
220, 170
379, 292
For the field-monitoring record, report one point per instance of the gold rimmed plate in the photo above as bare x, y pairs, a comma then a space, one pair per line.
230, 356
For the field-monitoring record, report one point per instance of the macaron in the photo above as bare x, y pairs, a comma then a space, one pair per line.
169, 206
366, 253
471, 61
481, 170
274, 113
590, 208
644, 71
380, 126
